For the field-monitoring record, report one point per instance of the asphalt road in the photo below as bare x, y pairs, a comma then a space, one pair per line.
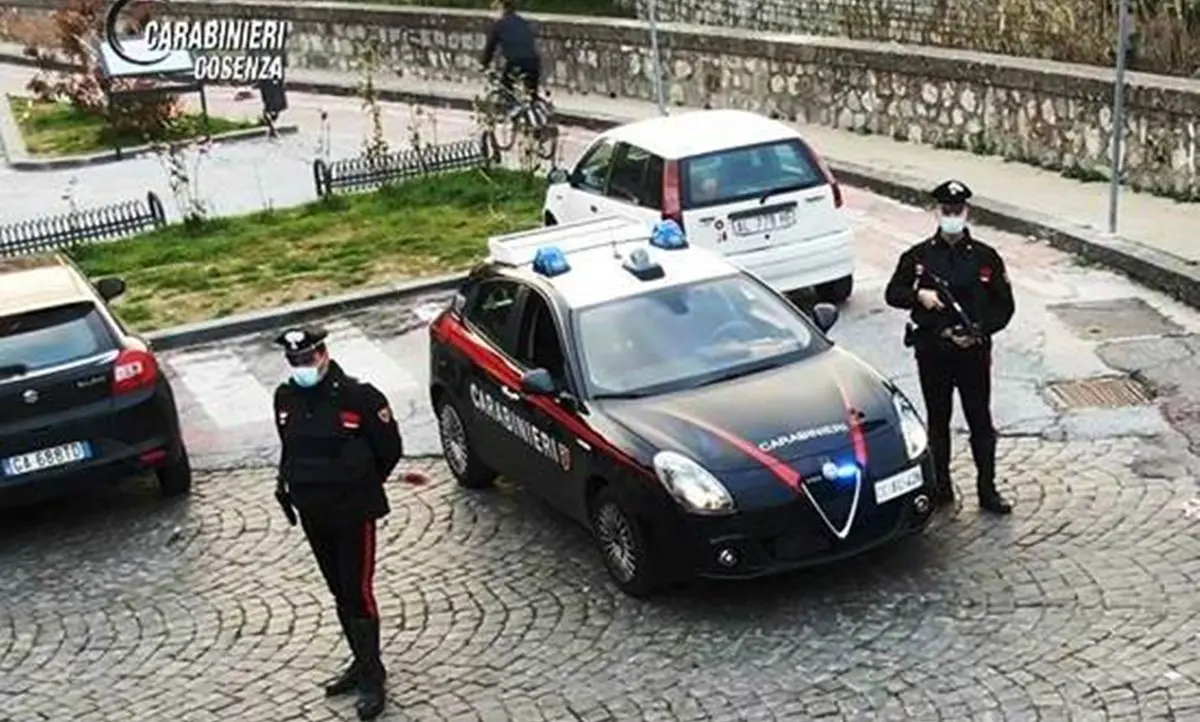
1081, 606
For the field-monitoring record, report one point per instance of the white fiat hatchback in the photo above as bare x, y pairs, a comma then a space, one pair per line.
737, 182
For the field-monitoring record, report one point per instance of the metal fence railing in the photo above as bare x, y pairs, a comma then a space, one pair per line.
363, 173
102, 223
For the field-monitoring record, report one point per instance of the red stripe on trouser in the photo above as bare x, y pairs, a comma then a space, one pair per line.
368, 572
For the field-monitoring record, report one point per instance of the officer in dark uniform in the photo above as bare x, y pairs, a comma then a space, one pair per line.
958, 292
340, 443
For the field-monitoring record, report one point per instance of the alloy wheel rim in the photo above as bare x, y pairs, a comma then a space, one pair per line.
616, 540
454, 441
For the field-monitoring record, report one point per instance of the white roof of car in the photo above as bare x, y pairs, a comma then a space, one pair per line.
700, 131
596, 272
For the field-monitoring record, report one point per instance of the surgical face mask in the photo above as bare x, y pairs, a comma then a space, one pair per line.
306, 376
953, 225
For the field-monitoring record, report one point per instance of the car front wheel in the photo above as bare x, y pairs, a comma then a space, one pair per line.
175, 479
464, 463
622, 544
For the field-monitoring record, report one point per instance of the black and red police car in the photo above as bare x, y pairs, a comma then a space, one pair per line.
82, 400
691, 416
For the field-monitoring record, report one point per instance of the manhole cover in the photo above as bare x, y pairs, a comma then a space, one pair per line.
1116, 318
1109, 393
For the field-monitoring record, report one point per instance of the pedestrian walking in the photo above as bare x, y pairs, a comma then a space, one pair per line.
959, 295
340, 442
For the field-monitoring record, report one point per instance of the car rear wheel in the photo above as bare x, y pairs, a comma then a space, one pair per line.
837, 292
175, 479
623, 546
464, 463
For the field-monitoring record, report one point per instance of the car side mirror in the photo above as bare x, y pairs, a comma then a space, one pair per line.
538, 382
109, 288
558, 175
825, 315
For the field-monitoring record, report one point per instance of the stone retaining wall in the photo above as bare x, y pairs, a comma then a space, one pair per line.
1050, 114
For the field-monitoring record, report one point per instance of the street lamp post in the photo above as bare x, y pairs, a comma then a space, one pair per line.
1118, 111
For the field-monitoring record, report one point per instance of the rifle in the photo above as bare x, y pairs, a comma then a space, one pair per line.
966, 325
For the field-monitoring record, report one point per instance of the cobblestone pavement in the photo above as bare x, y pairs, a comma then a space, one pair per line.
1081, 606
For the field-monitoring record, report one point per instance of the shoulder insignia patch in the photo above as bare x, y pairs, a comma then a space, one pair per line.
385, 414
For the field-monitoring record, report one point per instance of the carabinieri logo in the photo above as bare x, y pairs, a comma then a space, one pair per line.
223, 50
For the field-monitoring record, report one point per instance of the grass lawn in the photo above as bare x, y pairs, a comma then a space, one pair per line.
51, 129
427, 226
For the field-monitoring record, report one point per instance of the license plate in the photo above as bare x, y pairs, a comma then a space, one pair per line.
47, 458
764, 223
898, 485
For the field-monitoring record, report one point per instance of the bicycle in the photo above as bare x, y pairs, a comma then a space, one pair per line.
517, 114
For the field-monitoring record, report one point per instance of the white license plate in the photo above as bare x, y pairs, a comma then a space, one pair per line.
47, 458
765, 223
898, 485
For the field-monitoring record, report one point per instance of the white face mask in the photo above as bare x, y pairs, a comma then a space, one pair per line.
953, 225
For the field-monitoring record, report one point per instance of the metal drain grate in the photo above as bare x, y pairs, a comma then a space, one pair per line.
1109, 392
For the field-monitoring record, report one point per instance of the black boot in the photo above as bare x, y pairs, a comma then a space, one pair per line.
984, 452
347, 681
371, 694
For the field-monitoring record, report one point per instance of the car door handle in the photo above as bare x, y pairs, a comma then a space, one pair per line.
510, 393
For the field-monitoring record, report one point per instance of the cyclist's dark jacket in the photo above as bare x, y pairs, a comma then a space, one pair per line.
515, 37
340, 443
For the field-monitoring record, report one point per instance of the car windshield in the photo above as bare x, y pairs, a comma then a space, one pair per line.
755, 171
49, 337
689, 336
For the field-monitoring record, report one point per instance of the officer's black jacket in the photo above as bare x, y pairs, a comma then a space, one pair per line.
340, 442
515, 37
976, 275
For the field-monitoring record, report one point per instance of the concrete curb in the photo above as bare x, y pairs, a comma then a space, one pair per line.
272, 319
18, 157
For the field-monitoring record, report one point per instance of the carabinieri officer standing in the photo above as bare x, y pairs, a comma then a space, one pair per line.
958, 292
340, 443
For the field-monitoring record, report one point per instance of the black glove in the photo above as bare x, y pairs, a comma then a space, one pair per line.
285, 501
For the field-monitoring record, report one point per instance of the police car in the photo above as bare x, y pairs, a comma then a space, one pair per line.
686, 412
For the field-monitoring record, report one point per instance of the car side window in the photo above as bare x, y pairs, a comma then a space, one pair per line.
636, 177
592, 172
492, 311
540, 345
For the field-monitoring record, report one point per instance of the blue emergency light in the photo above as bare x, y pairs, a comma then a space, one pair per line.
668, 236
550, 261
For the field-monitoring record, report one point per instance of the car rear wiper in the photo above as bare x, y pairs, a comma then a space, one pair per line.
12, 370
781, 189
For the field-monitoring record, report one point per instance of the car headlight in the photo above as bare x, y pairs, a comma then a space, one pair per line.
692, 485
916, 440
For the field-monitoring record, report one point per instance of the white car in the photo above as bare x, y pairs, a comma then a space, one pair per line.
737, 182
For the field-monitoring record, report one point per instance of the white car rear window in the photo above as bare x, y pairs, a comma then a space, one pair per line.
738, 174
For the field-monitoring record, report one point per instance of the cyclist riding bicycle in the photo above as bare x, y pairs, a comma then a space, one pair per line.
517, 42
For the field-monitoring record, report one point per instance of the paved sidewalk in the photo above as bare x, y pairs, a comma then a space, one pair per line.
1158, 223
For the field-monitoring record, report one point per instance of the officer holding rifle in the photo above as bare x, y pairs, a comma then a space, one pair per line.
958, 292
